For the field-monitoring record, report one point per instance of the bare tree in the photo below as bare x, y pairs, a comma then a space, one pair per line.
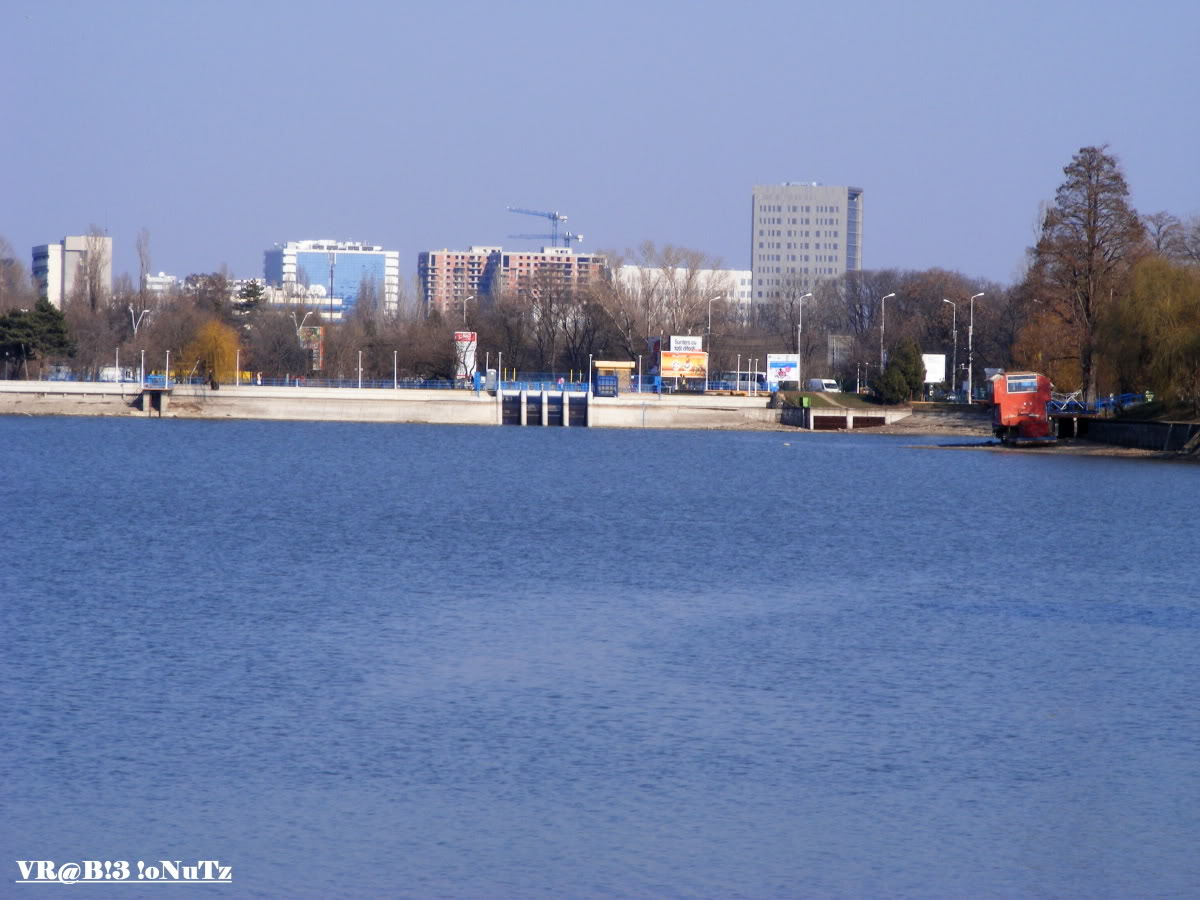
96, 333
624, 303
1090, 240
16, 289
211, 293
1164, 232
370, 297
143, 253
89, 278
505, 325
1189, 242
681, 282
273, 344
548, 298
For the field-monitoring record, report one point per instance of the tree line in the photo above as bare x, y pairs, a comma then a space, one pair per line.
1109, 302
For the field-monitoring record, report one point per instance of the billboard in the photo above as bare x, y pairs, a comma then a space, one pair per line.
465, 343
782, 367
312, 339
687, 343
935, 367
683, 364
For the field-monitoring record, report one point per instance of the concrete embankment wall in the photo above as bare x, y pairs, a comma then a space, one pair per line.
1142, 435
52, 398
337, 405
681, 411
369, 405
380, 405
252, 402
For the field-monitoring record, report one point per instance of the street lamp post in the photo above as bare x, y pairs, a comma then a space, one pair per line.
882, 325
332, 264
799, 332
708, 330
971, 348
954, 353
465, 301
360, 368
299, 326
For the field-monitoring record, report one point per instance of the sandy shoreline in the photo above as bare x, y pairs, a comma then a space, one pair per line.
965, 432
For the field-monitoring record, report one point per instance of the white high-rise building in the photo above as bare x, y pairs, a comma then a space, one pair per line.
58, 268
801, 234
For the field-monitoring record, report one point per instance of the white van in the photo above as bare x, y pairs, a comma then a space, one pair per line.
827, 385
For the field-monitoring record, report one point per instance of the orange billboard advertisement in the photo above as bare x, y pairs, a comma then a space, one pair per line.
683, 364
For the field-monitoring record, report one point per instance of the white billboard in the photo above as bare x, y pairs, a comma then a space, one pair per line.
935, 367
465, 343
686, 343
782, 367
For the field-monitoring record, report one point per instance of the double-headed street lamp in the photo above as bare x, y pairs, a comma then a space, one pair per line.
138, 321
300, 324
954, 353
882, 326
970, 347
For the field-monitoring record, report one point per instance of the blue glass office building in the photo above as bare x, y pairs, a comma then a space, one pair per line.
304, 265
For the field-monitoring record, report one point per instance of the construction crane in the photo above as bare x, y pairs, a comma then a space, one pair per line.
554, 217
566, 236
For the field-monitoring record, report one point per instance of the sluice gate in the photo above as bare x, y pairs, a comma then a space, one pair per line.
554, 408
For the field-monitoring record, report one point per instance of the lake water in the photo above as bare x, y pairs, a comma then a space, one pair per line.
412, 661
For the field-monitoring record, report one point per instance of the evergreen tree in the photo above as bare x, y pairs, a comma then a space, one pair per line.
890, 386
52, 337
903, 377
40, 333
250, 297
912, 367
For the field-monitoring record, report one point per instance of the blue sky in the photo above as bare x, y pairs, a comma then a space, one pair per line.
225, 127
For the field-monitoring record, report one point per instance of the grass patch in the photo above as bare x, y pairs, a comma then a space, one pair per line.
828, 400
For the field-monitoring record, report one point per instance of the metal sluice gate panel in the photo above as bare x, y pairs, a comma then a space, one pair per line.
511, 409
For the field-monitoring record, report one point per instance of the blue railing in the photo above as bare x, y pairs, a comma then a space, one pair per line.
1073, 404
745, 385
307, 381
536, 382
550, 386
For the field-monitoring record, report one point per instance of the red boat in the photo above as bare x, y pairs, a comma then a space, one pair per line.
1019, 415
